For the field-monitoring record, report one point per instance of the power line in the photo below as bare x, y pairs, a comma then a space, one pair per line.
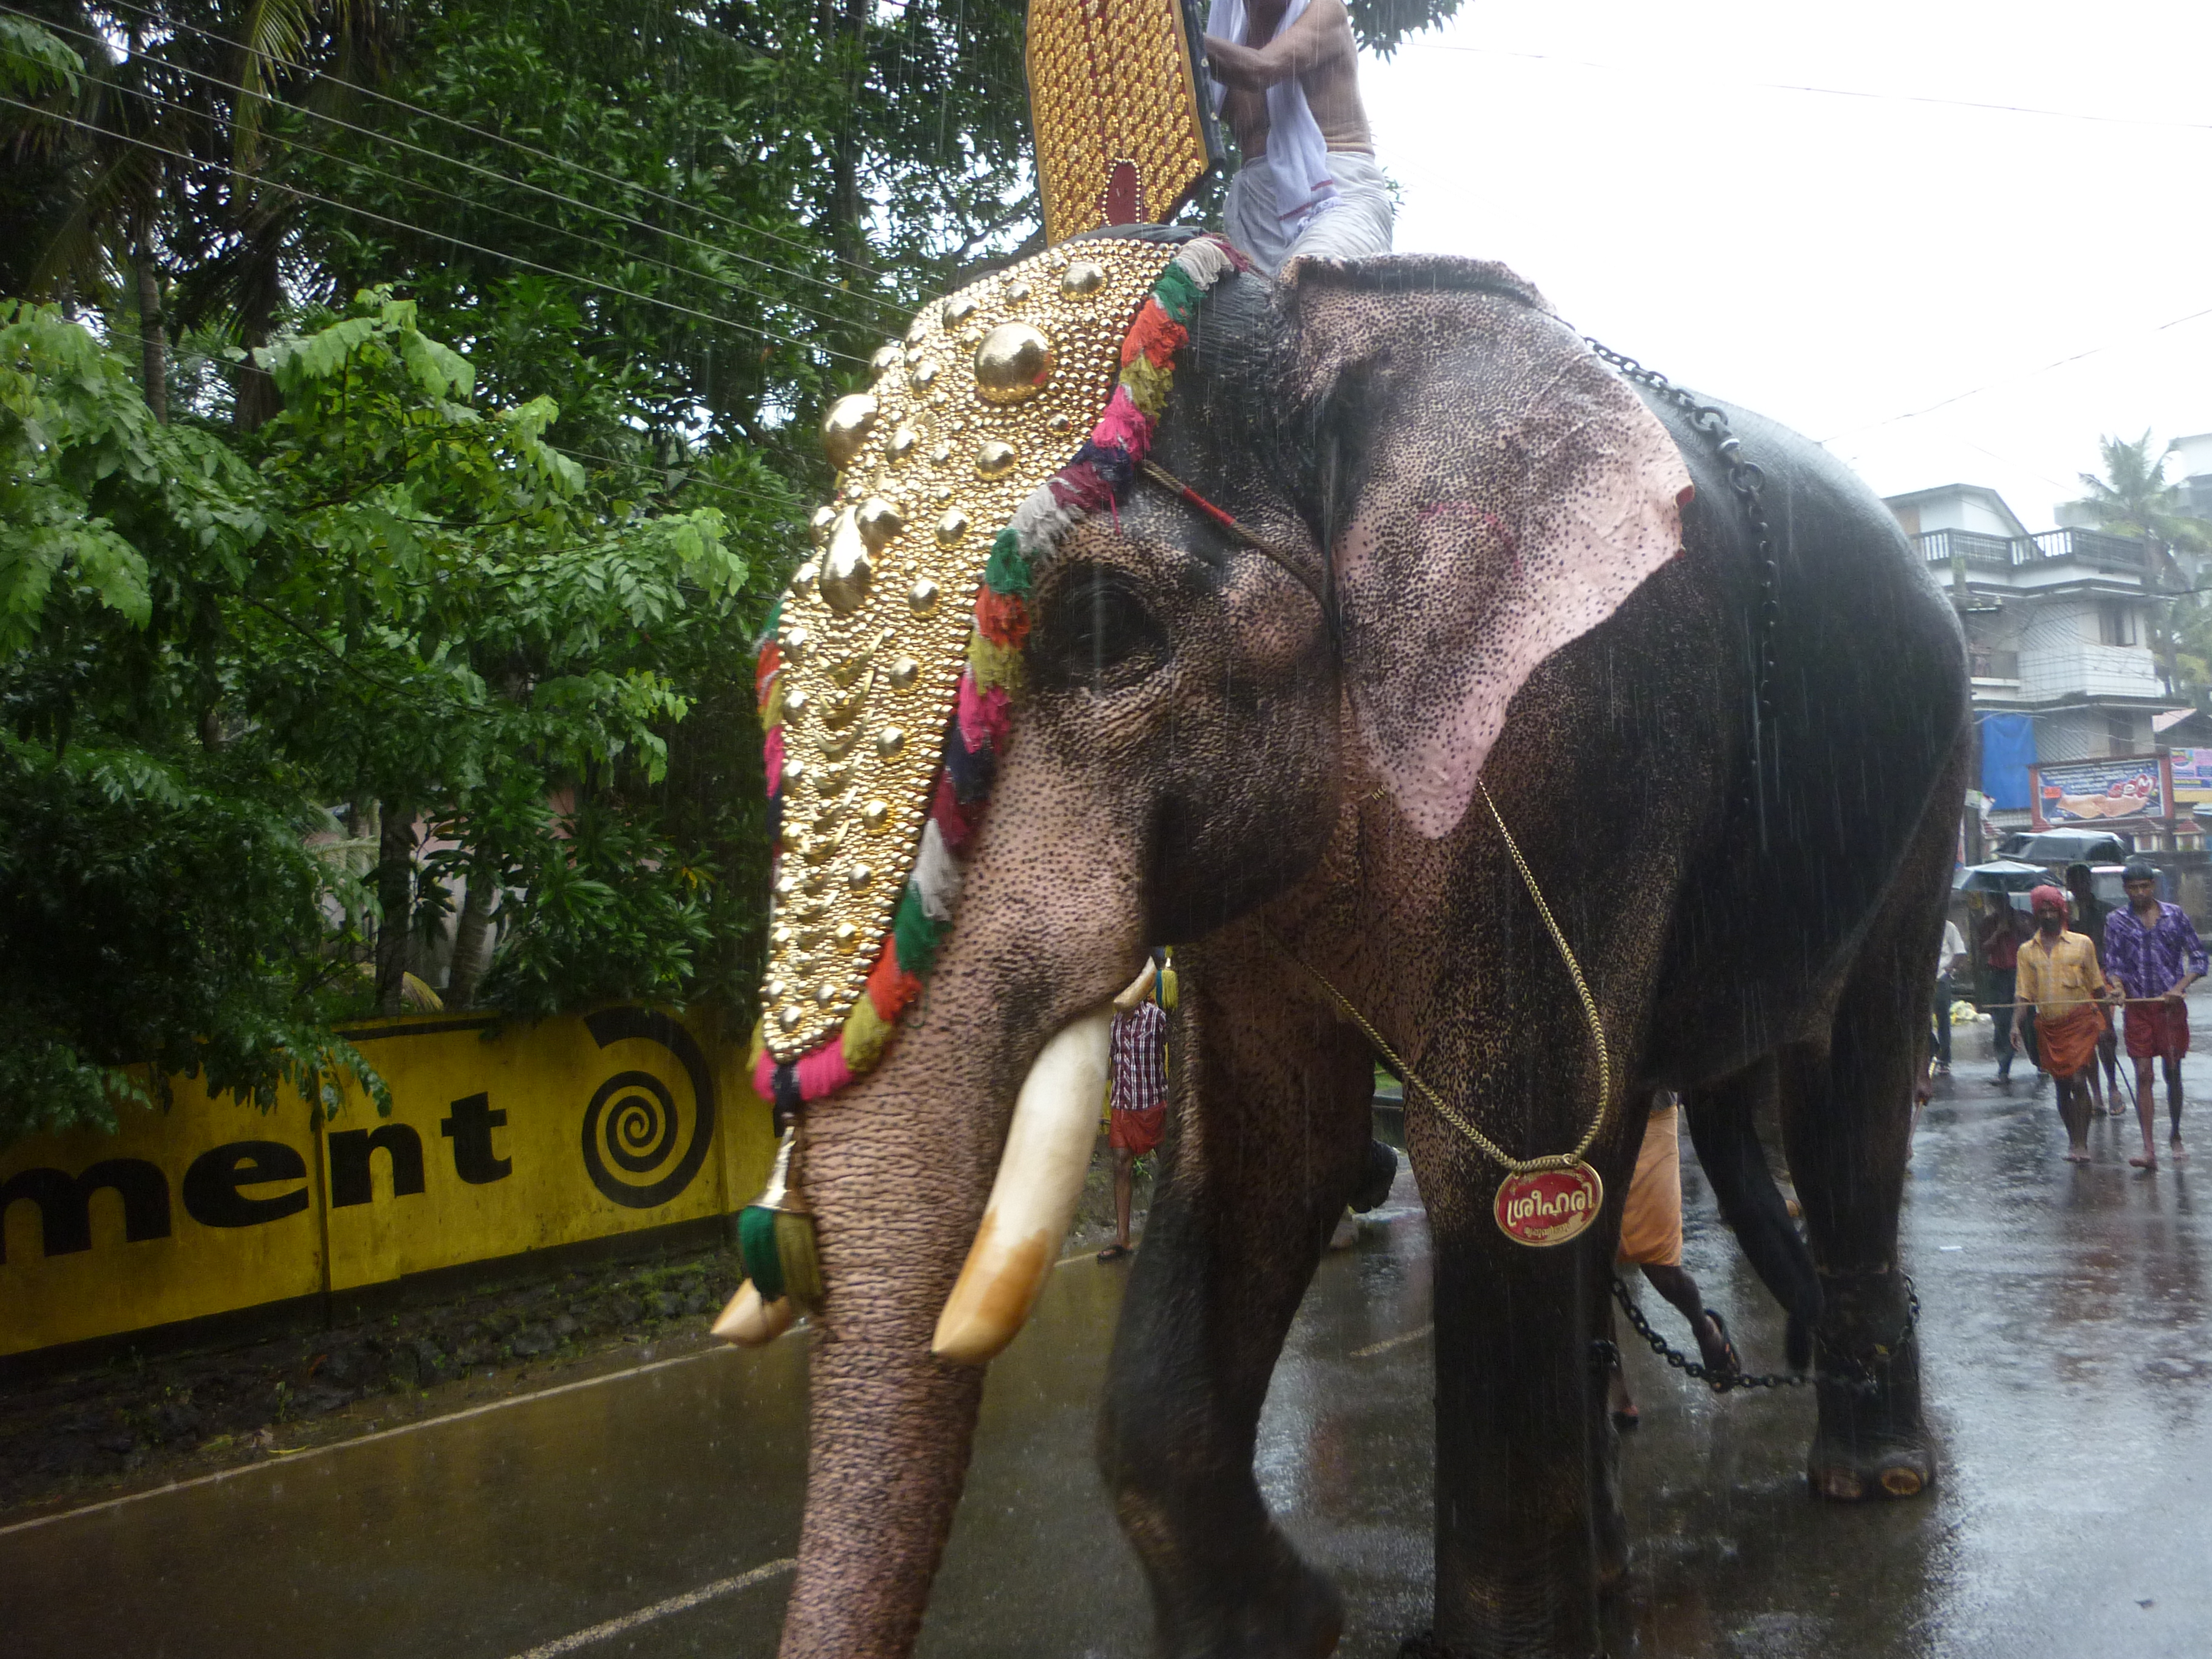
2025, 374
504, 180
448, 237
499, 138
1842, 92
469, 202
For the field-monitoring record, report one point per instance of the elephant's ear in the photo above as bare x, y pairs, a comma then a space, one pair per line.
1497, 492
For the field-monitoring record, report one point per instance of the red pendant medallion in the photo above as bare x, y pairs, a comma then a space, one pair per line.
1549, 1207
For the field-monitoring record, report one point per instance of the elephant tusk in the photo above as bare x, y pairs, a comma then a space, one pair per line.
1033, 1201
749, 1321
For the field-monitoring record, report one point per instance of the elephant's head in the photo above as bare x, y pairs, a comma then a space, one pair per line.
1404, 484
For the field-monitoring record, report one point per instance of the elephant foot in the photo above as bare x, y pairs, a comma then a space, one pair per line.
1851, 1474
1872, 1441
1283, 1611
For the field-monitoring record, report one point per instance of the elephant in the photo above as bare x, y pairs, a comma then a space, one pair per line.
1283, 710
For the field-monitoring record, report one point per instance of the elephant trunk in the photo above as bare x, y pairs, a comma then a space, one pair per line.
897, 1168
896, 1179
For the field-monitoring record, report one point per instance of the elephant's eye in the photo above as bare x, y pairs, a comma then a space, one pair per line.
1099, 633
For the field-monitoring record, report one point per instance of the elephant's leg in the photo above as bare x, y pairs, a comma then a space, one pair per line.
1527, 1523
1847, 1125
1268, 1138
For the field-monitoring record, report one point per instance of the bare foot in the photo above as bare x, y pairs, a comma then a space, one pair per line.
2077, 1155
2148, 1162
2174, 1150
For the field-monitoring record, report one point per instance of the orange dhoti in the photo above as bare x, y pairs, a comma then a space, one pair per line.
2069, 1039
1651, 1219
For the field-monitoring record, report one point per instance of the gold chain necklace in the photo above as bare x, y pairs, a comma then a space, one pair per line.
1542, 1200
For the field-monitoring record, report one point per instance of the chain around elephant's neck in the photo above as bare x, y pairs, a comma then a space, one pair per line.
1515, 1168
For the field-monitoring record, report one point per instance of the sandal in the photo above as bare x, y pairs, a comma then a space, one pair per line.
1730, 1363
1113, 1252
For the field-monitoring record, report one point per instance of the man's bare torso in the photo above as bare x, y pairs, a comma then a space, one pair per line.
1319, 49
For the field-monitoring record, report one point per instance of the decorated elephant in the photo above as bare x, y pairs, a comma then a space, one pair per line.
1421, 674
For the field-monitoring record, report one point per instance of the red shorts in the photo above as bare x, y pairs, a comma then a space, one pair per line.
1135, 1132
2158, 1031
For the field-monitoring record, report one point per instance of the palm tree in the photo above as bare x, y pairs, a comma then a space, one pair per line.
2134, 498
147, 143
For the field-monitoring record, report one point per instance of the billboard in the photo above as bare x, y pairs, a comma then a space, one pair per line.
2090, 792
499, 1142
2192, 778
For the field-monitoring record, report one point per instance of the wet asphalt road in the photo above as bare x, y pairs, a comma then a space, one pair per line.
2069, 1356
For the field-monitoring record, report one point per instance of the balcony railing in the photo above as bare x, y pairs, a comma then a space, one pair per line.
2008, 552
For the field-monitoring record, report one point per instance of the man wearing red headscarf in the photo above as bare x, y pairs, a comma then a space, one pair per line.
2058, 973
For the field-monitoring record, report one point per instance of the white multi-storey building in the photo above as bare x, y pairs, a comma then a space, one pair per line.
2059, 622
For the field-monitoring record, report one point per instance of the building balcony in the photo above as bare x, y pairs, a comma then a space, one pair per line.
1978, 551
2088, 670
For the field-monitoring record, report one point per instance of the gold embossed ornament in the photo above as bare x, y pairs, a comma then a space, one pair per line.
890, 684
1124, 133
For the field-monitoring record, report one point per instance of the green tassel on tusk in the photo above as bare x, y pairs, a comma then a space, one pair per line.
775, 1238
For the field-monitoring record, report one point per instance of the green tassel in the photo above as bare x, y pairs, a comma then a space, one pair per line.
802, 1268
756, 1243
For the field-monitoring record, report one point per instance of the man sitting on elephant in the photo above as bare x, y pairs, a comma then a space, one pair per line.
1288, 81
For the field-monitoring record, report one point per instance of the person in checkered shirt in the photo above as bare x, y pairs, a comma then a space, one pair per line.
1138, 1050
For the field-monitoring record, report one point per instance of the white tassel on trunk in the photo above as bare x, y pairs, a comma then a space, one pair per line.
1033, 1201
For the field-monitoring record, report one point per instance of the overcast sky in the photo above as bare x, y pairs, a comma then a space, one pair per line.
1839, 263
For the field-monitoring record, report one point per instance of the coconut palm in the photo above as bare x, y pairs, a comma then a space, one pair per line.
2134, 498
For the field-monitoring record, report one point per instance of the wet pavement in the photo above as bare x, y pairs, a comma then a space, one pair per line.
2068, 1365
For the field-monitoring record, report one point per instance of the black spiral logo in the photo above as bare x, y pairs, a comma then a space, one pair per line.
633, 1124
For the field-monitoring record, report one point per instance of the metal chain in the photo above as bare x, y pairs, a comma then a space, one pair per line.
1864, 1382
1748, 480
1490, 1148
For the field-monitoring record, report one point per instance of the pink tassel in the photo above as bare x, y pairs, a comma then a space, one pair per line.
985, 717
772, 757
765, 1076
1123, 425
824, 1071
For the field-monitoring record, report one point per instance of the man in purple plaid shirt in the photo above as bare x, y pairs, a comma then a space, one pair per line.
1138, 1048
2152, 949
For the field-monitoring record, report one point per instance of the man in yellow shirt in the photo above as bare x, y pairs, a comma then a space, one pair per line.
2058, 973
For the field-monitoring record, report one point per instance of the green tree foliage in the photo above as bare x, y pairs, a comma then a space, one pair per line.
2132, 498
283, 577
392, 594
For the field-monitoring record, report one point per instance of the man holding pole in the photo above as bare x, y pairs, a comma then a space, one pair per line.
2058, 973
2153, 952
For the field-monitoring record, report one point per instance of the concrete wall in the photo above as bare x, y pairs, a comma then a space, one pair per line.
577, 1129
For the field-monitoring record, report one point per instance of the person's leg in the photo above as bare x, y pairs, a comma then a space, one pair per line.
1942, 1011
2146, 1109
2001, 1015
2024, 1022
2108, 1051
2173, 1103
2074, 1112
1674, 1283
1125, 1168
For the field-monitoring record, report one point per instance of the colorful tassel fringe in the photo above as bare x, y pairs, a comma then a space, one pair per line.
1094, 482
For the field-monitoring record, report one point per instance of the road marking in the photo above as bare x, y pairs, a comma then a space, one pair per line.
293, 1459
721, 1587
1390, 1342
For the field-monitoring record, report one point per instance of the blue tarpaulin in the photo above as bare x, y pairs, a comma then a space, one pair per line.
2007, 750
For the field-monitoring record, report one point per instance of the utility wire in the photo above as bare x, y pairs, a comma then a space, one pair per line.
822, 283
2025, 374
471, 202
1841, 92
499, 138
448, 237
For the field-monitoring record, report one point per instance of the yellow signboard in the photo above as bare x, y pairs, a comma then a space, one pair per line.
578, 1128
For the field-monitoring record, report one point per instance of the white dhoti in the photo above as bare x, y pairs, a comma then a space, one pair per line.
1353, 221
